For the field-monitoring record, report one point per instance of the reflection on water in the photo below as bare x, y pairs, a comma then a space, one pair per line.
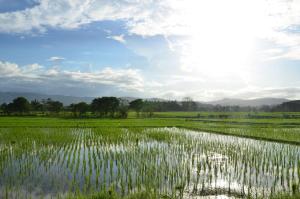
167, 160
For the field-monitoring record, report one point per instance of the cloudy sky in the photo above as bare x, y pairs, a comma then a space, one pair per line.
208, 49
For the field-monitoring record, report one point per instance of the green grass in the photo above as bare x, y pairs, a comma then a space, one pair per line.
114, 195
283, 196
145, 195
238, 115
278, 128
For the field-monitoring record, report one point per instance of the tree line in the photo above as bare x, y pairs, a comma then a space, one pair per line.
107, 107
112, 107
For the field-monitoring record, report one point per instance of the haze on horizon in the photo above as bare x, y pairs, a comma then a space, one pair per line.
171, 49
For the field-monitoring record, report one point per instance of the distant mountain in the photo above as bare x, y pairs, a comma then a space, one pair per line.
6, 97
154, 99
291, 106
252, 102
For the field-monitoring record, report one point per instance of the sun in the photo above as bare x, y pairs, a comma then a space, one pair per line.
221, 36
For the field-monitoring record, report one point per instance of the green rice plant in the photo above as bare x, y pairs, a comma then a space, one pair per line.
171, 162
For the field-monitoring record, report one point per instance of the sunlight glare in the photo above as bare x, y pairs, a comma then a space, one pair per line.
221, 42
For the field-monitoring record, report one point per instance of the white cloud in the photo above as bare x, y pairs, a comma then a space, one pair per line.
119, 38
246, 93
125, 80
9, 69
51, 72
165, 17
56, 59
293, 53
32, 67
238, 20
108, 81
214, 41
158, 17
72, 14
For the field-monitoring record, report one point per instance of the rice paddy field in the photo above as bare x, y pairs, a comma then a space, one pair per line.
162, 157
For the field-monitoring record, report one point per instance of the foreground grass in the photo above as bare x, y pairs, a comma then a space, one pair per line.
114, 195
86, 151
296, 196
147, 195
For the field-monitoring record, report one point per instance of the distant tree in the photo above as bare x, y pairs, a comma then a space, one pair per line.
148, 109
4, 108
123, 111
113, 105
79, 109
136, 105
235, 108
291, 106
36, 105
54, 106
20, 105
172, 106
188, 104
97, 106
265, 108
105, 106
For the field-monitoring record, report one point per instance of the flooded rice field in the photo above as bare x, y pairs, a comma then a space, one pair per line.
56, 163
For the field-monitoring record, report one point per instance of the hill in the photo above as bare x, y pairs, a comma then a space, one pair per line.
6, 97
251, 102
291, 106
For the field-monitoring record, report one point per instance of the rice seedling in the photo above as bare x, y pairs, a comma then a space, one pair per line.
166, 162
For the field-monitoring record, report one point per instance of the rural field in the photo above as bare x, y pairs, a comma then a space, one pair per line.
171, 155
149, 99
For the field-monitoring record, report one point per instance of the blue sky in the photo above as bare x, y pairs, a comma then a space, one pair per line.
170, 49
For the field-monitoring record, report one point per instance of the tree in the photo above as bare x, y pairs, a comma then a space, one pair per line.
83, 107
4, 108
36, 105
105, 105
137, 106
148, 109
97, 106
20, 105
123, 111
80, 108
54, 106
265, 108
188, 104
112, 105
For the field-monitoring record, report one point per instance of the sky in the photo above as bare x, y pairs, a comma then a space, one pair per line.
171, 49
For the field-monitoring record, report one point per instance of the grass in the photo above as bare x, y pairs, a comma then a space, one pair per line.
145, 195
114, 195
278, 128
238, 115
